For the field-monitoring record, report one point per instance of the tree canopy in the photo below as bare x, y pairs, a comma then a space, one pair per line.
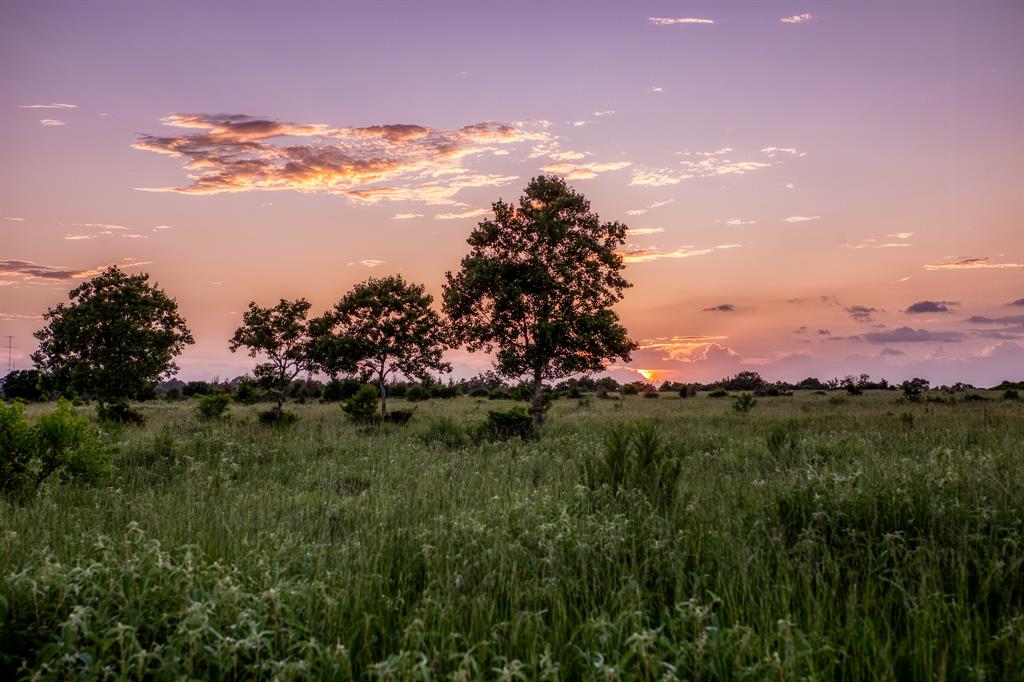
115, 339
538, 286
382, 327
281, 335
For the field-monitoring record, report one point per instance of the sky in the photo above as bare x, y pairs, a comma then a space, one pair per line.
812, 189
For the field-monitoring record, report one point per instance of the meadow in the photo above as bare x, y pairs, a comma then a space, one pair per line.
819, 536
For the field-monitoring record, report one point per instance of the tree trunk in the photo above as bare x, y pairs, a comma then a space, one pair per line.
383, 398
537, 406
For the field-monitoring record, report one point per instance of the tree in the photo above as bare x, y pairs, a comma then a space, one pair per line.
538, 288
23, 384
114, 341
281, 334
380, 328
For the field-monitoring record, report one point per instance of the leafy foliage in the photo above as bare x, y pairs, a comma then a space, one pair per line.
505, 424
744, 403
380, 328
538, 286
914, 388
213, 405
280, 334
60, 442
23, 384
362, 406
115, 340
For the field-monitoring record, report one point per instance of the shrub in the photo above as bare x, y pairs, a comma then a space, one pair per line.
246, 393
1011, 394
635, 458
913, 389
480, 393
23, 384
61, 442
337, 390
398, 417
417, 394
277, 419
650, 394
629, 389
744, 403
119, 412
444, 391
504, 425
213, 405
444, 432
362, 407
718, 393
194, 388
499, 394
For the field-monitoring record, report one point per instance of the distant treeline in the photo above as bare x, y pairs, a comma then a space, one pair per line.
31, 386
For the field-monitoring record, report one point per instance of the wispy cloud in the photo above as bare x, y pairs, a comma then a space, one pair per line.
900, 235
50, 122
971, 264
797, 18
658, 177
682, 348
1018, 303
801, 218
909, 335
369, 263
606, 112
394, 162
655, 88
635, 254
158, 228
772, 152
667, 21
738, 221
875, 244
52, 105
721, 308
16, 220
584, 171
406, 216
640, 231
472, 213
30, 272
861, 313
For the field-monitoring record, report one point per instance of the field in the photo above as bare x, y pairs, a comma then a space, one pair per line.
816, 537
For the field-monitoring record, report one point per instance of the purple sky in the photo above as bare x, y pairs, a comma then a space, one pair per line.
815, 189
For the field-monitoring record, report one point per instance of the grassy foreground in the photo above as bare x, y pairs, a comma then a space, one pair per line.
867, 539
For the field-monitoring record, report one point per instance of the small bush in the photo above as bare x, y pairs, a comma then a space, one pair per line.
417, 394
362, 407
1011, 394
629, 389
444, 432
119, 412
718, 393
635, 458
246, 394
337, 390
398, 417
213, 405
60, 442
650, 394
277, 419
499, 394
744, 403
504, 425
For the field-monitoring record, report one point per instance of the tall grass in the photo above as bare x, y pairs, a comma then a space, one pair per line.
802, 540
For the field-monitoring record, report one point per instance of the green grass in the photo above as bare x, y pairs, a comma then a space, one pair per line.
805, 540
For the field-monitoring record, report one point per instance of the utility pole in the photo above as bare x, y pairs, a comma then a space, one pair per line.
10, 361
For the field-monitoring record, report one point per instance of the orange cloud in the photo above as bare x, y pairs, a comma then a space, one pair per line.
971, 264
239, 153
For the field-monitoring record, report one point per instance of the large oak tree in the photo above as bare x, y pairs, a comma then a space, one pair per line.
538, 286
114, 340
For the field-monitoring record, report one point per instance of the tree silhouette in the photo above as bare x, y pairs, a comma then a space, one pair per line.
281, 334
382, 327
538, 288
114, 340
